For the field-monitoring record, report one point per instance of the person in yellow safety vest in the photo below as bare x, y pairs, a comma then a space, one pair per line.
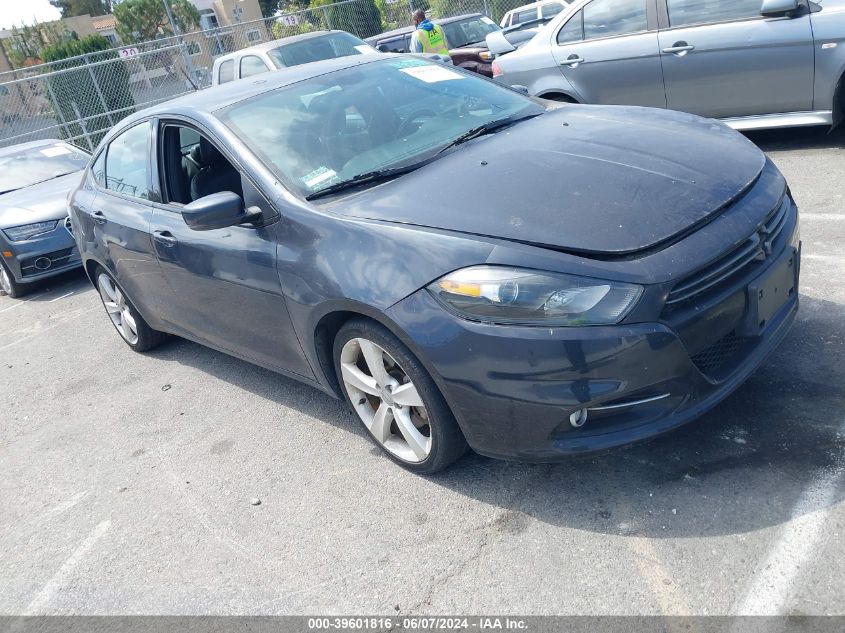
429, 37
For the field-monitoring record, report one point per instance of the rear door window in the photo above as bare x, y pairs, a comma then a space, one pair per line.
572, 31
686, 12
252, 65
609, 18
127, 162
226, 72
526, 16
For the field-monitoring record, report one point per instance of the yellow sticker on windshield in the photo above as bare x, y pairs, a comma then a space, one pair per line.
431, 73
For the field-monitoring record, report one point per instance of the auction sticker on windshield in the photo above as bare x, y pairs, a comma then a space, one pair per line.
318, 176
431, 74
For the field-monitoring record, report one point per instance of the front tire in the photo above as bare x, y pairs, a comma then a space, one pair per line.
8, 285
395, 398
128, 322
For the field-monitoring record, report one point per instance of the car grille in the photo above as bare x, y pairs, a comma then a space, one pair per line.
57, 259
722, 357
753, 250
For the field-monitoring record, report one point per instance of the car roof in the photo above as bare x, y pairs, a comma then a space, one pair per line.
12, 149
218, 97
284, 41
410, 29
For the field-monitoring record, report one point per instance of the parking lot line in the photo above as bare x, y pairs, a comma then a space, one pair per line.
42, 599
773, 585
823, 216
62, 297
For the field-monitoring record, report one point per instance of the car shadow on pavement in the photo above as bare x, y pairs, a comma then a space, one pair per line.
798, 138
740, 468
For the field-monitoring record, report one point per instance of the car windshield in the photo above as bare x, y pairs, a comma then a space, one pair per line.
318, 48
382, 115
469, 31
32, 165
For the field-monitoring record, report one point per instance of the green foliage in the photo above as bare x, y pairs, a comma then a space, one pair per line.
72, 8
268, 7
24, 46
361, 18
144, 20
74, 92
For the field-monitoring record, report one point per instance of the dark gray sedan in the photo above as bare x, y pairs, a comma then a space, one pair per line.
464, 265
35, 179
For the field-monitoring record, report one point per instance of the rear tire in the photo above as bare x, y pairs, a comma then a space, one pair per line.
8, 285
125, 318
395, 398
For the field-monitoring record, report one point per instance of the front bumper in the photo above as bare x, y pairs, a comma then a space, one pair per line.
513, 389
57, 246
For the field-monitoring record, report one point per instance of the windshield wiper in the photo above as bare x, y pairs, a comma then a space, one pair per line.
390, 172
360, 179
488, 127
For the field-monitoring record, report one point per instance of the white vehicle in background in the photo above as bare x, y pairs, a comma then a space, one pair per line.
534, 14
285, 52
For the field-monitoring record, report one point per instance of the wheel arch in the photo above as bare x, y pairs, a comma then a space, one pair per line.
839, 100
328, 325
558, 95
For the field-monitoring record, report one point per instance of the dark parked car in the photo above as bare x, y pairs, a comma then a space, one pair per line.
466, 37
35, 179
354, 224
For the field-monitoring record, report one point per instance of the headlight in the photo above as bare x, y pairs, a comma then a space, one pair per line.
486, 55
26, 231
501, 294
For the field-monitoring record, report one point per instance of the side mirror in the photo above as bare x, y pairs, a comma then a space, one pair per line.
776, 8
522, 89
382, 48
217, 211
497, 43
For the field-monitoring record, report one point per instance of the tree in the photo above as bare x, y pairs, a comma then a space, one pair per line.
144, 20
95, 96
361, 18
71, 8
268, 7
24, 46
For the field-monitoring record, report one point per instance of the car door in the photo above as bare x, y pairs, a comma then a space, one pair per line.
609, 53
722, 58
224, 285
118, 219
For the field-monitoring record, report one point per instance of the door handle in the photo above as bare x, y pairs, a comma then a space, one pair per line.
165, 238
679, 48
99, 217
572, 61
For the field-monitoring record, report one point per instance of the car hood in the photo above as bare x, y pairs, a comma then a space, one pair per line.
40, 202
589, 179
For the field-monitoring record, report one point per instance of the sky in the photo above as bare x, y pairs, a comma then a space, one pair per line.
13, 12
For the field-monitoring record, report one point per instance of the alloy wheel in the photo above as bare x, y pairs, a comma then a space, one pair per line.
386, 400
118, 309
5, 282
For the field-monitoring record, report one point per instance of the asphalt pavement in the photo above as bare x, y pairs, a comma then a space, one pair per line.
127, 480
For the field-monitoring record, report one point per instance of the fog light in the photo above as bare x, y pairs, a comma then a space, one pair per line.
579, 418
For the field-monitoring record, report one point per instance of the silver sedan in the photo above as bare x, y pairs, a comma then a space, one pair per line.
752, 63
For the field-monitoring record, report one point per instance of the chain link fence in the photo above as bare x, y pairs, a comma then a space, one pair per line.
80, 98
